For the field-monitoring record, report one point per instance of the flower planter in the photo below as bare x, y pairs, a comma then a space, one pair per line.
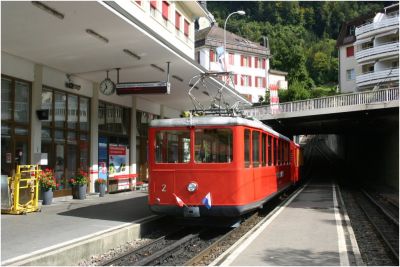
102, 190
47, 196
79, 192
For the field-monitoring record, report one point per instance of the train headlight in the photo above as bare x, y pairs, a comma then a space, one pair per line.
192, 187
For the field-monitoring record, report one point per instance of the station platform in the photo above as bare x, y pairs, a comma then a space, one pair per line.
68, 223
311, 228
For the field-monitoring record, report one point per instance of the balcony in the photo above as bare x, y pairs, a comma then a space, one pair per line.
375, 77
381, 51
374, 28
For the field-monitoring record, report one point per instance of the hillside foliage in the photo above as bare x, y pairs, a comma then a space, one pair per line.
302, 37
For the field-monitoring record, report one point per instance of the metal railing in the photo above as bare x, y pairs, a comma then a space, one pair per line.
385, 22
361, 98
376, 76
377, 51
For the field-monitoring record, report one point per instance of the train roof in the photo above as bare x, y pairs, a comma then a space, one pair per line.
215, 121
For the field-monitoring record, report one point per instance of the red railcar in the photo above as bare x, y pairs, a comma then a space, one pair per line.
217, 166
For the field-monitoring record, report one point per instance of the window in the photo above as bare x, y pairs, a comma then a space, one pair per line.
269, 150
256, 62
15, 114
177, 20
165, 10
350, 74
350, 51
65, 136
256, 148
263, 63
235, 78
264, 149
258, 81
231, 59
172, 146
246, 148
212, 56
186, 28
198, 57
213, 146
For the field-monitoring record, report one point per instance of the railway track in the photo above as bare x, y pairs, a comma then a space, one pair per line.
172, 249
381, 217
190, 246
377, 227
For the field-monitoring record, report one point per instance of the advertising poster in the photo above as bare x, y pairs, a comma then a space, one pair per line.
118, 162
103, 156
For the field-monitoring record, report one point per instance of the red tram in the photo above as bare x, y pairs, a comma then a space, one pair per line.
217, 166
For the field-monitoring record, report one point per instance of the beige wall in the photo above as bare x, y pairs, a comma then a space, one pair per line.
346, 63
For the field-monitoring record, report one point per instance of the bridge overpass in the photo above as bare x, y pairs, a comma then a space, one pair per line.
376, 110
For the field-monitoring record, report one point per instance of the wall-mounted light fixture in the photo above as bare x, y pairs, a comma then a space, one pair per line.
98, 36
129, 52
157, 67
48, 9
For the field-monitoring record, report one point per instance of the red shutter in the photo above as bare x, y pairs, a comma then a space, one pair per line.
241, 80
153, 4
264, 82
212, 56
139, 3
231, 59
249, 60
241, 60
177, 20
250, 78
350, 51
165, 8
263, 63
256, 81
235, 78
256, 63
186, 27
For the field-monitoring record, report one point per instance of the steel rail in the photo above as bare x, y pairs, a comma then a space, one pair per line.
389, 245
381, 208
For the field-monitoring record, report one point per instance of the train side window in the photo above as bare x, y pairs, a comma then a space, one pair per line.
256, 148
264, 149
246, 148
287, 153
172, 147
213, 146
269, 150
275, 151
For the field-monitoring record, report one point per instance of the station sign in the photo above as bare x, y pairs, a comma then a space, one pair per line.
161, 87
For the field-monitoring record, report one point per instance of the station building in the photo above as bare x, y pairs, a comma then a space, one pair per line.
369, 51
58, 107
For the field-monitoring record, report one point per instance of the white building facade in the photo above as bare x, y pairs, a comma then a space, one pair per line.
368, 51
248, 61
56, 58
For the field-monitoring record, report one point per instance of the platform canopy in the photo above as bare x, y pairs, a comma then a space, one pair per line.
64, 44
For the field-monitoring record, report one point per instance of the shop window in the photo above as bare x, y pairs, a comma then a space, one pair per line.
68, 124
15, 117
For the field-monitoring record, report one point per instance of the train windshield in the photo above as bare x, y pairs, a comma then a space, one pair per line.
173, 146
213, 146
